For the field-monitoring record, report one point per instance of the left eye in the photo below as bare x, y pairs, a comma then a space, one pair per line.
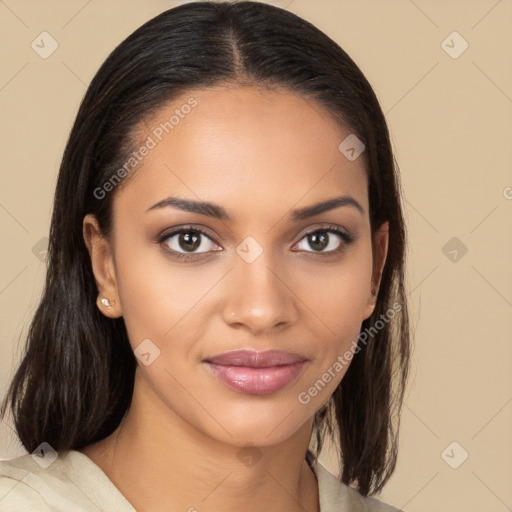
322, 240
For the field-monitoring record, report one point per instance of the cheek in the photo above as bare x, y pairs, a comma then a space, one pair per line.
158, 298
338, 302
338, 294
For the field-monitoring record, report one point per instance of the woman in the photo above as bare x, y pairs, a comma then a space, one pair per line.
225, 288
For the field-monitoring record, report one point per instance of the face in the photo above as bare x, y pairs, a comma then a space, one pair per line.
257, 269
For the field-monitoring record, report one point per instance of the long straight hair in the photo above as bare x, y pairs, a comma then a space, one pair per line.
75, 381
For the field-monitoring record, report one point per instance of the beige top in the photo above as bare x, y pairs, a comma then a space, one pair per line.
74, 483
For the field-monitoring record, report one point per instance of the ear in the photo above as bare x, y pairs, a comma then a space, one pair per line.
102, 262
380, 252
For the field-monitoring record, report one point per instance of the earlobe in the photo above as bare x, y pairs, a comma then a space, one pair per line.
103, 267
106, 306
370, 306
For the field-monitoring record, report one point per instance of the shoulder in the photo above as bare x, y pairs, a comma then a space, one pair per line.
25, 485
56, 482
335, 496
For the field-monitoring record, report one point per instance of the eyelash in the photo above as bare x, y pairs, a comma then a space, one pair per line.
347, 238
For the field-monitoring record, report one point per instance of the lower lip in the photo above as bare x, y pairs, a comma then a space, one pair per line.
256, 381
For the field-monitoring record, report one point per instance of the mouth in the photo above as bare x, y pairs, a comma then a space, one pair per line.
256, 373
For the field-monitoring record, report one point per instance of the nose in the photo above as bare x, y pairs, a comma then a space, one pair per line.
259, 297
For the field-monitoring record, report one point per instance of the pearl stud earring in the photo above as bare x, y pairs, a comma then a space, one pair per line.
106, 302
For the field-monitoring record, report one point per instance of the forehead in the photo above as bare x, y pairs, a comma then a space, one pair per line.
269, 146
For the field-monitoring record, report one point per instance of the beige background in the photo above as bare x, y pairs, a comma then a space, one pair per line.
451, 124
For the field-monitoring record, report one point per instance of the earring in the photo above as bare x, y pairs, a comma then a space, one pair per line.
105, 302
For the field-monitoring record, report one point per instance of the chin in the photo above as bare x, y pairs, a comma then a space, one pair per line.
263, 424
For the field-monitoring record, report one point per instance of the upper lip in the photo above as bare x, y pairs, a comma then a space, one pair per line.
255, 359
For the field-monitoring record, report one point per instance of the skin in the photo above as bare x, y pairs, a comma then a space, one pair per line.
259, 154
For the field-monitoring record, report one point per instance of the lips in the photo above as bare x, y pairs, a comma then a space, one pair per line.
256, 373
256, 359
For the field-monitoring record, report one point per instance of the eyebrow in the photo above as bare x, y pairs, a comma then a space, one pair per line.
218, 212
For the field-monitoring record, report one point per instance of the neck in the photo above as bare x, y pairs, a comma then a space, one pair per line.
170, 465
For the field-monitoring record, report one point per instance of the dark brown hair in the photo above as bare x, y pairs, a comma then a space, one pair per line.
75, 380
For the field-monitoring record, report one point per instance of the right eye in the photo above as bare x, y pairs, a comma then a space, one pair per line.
185, 242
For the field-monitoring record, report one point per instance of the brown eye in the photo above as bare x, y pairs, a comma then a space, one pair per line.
326, 240
187, 241
319, 240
